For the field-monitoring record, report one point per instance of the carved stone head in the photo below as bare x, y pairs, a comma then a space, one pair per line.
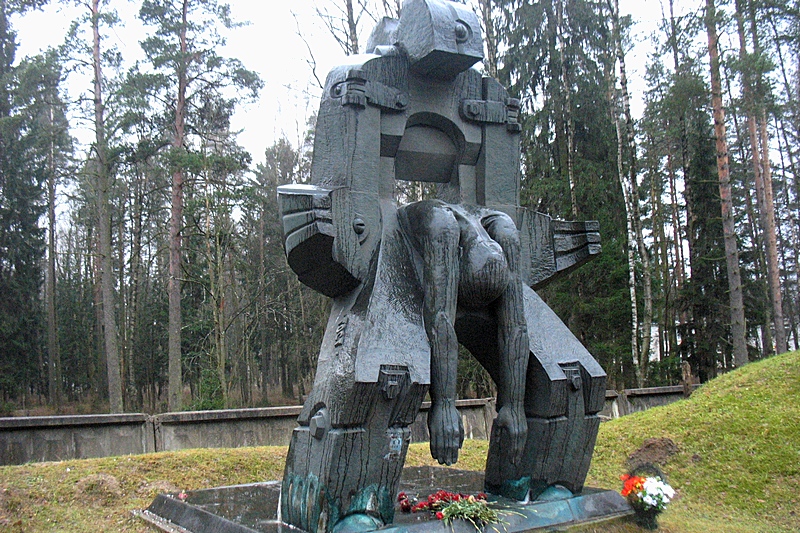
441, 38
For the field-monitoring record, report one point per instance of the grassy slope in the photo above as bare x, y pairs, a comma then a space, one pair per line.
739, 465
738, 469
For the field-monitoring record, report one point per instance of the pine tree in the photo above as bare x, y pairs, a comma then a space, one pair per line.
181, 48
738, 327
22, 178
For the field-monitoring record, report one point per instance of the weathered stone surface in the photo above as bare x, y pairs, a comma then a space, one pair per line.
253, 508
410, 281
55, 438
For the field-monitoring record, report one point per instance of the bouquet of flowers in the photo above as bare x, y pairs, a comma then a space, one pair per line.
646, 493
449, 506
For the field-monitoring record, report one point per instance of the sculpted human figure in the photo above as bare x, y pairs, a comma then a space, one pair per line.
409, 283
470, 259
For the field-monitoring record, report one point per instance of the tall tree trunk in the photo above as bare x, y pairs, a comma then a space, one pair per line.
136, 277
104, 225
216, 290
626, 150
176, 221
683, 141
53, 355
630, 233
680, 275
490, 37
763, 178
566, 90
644, 255
126, 364
738, 328
773, 267
261, 307
785, 148
352, 28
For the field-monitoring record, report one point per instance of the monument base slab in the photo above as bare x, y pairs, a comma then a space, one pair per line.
253, 508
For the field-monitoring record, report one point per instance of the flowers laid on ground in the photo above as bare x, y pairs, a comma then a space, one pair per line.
449, 506
647, 493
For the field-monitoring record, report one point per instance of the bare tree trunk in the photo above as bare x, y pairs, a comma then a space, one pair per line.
104, 225
126, 364
684, 142
738, 327
680, 275
629, 184
136, 277
217, 291
631, 242
763, 180
176, 221
567, 91
770, 232
352, 27
261, 308
490, 37
785, 148
53, 355
644, 255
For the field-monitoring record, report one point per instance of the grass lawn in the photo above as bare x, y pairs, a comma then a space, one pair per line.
737, 468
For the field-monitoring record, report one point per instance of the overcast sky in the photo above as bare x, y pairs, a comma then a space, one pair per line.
270, 46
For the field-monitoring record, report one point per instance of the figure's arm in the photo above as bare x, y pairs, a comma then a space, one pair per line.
513, 346
435, 233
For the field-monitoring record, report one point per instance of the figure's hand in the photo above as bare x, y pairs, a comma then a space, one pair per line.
447, 432
512, 431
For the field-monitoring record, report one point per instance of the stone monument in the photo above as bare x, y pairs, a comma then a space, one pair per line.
410, 281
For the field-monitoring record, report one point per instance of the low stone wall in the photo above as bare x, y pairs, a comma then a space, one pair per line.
56, 438
634, 400
229, 428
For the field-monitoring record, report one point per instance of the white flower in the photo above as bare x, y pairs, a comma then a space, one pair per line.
655, 493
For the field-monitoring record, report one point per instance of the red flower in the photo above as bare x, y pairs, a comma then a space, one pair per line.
439, 515
402, 496
631, 484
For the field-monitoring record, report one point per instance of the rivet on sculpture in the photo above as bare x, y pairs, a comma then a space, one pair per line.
410, 282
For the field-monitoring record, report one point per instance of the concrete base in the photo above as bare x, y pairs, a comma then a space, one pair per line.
253, 508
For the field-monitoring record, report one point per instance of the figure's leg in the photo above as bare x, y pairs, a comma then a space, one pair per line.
510, 429
433, 229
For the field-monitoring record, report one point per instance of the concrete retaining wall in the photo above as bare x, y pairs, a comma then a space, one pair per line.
230, 428
56, 438
634, 400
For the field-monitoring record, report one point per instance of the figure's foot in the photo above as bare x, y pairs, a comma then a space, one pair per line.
447, 431
357, 523
554, 493
513, 489
512, 432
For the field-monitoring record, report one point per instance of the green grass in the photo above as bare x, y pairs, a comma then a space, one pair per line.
739, 464
738, 469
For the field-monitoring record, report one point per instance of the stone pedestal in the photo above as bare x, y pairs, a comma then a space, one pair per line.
253, 508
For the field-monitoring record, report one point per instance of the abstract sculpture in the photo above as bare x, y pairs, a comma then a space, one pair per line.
411, 282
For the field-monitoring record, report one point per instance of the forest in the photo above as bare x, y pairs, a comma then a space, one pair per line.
143, 270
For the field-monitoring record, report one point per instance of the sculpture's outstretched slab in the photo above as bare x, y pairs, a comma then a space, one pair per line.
411, 282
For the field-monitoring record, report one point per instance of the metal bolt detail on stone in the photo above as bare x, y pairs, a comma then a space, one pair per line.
410, 282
